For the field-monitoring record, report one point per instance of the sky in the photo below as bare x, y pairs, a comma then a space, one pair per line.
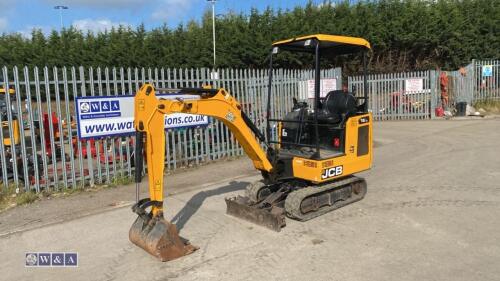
97, 15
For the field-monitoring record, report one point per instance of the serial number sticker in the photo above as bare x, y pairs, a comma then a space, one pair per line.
310, 164
327, 163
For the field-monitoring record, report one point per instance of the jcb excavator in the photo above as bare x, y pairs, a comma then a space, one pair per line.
8, 140
308, 171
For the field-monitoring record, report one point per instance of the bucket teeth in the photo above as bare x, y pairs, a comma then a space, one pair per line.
241, 207
159, 238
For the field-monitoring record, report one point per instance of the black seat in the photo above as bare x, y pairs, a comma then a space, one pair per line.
340, 102
336, 107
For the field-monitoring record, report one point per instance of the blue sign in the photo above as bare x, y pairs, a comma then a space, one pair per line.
100, 109
51, 259
487, 70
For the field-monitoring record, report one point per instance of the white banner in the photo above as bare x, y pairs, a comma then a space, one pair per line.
326, 86
114, 115
414, 85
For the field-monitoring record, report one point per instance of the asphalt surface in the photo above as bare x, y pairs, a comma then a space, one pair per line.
431, 213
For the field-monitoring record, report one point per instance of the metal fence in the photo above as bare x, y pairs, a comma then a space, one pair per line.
486, 87
478, 81
461, 85
398, 96
48, 154
415, 95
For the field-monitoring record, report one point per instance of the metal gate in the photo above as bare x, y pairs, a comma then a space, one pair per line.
486, 80
397, 96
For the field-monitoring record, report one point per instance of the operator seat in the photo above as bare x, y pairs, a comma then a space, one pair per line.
336, 107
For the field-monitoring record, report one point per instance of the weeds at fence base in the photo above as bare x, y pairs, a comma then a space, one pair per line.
490, 106
120, 180
25, 198
9, 198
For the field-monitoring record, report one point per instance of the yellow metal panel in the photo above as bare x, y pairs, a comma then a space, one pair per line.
312, 170
7, 140
280, 127
2, 91
329, 38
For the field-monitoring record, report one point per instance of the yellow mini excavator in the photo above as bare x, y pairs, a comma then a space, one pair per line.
307, 171
9, 140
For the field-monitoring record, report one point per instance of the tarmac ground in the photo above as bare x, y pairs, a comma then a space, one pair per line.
431, 213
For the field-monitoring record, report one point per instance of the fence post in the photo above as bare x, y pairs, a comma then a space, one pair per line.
434, 92
473, 81
4, 156
20, 120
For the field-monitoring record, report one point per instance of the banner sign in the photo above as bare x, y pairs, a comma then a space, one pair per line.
414, 85
487, 70
104, 116
326, 86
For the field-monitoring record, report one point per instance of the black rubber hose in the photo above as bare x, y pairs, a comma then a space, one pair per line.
139, 147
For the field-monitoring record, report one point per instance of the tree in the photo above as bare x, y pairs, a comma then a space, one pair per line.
404, 34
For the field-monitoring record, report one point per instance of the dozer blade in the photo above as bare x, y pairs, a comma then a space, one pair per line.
241, 207
159, 238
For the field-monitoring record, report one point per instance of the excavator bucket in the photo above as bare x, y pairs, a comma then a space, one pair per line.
152, 232
159, 238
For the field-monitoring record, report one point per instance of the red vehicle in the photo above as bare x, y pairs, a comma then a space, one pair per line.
401, 103
104, 157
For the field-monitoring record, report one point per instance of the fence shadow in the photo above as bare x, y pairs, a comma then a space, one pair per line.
195, 202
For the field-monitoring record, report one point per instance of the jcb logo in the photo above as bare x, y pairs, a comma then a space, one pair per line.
332, 172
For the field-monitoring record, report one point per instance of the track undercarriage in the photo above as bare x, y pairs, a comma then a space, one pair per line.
268, 205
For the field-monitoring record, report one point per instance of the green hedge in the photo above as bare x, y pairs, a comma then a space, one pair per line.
405, 35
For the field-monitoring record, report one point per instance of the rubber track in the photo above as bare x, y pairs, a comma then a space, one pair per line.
294, 199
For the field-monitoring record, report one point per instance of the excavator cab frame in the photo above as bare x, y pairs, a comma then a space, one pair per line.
317, 45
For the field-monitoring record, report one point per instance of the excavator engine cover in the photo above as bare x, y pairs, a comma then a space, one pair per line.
159, 238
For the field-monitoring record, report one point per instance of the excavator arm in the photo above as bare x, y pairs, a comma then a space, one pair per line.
150, 114
150, 231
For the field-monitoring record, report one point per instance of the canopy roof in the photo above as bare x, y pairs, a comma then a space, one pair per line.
332, 43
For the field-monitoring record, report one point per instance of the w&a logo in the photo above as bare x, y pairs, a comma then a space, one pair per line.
51, 260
